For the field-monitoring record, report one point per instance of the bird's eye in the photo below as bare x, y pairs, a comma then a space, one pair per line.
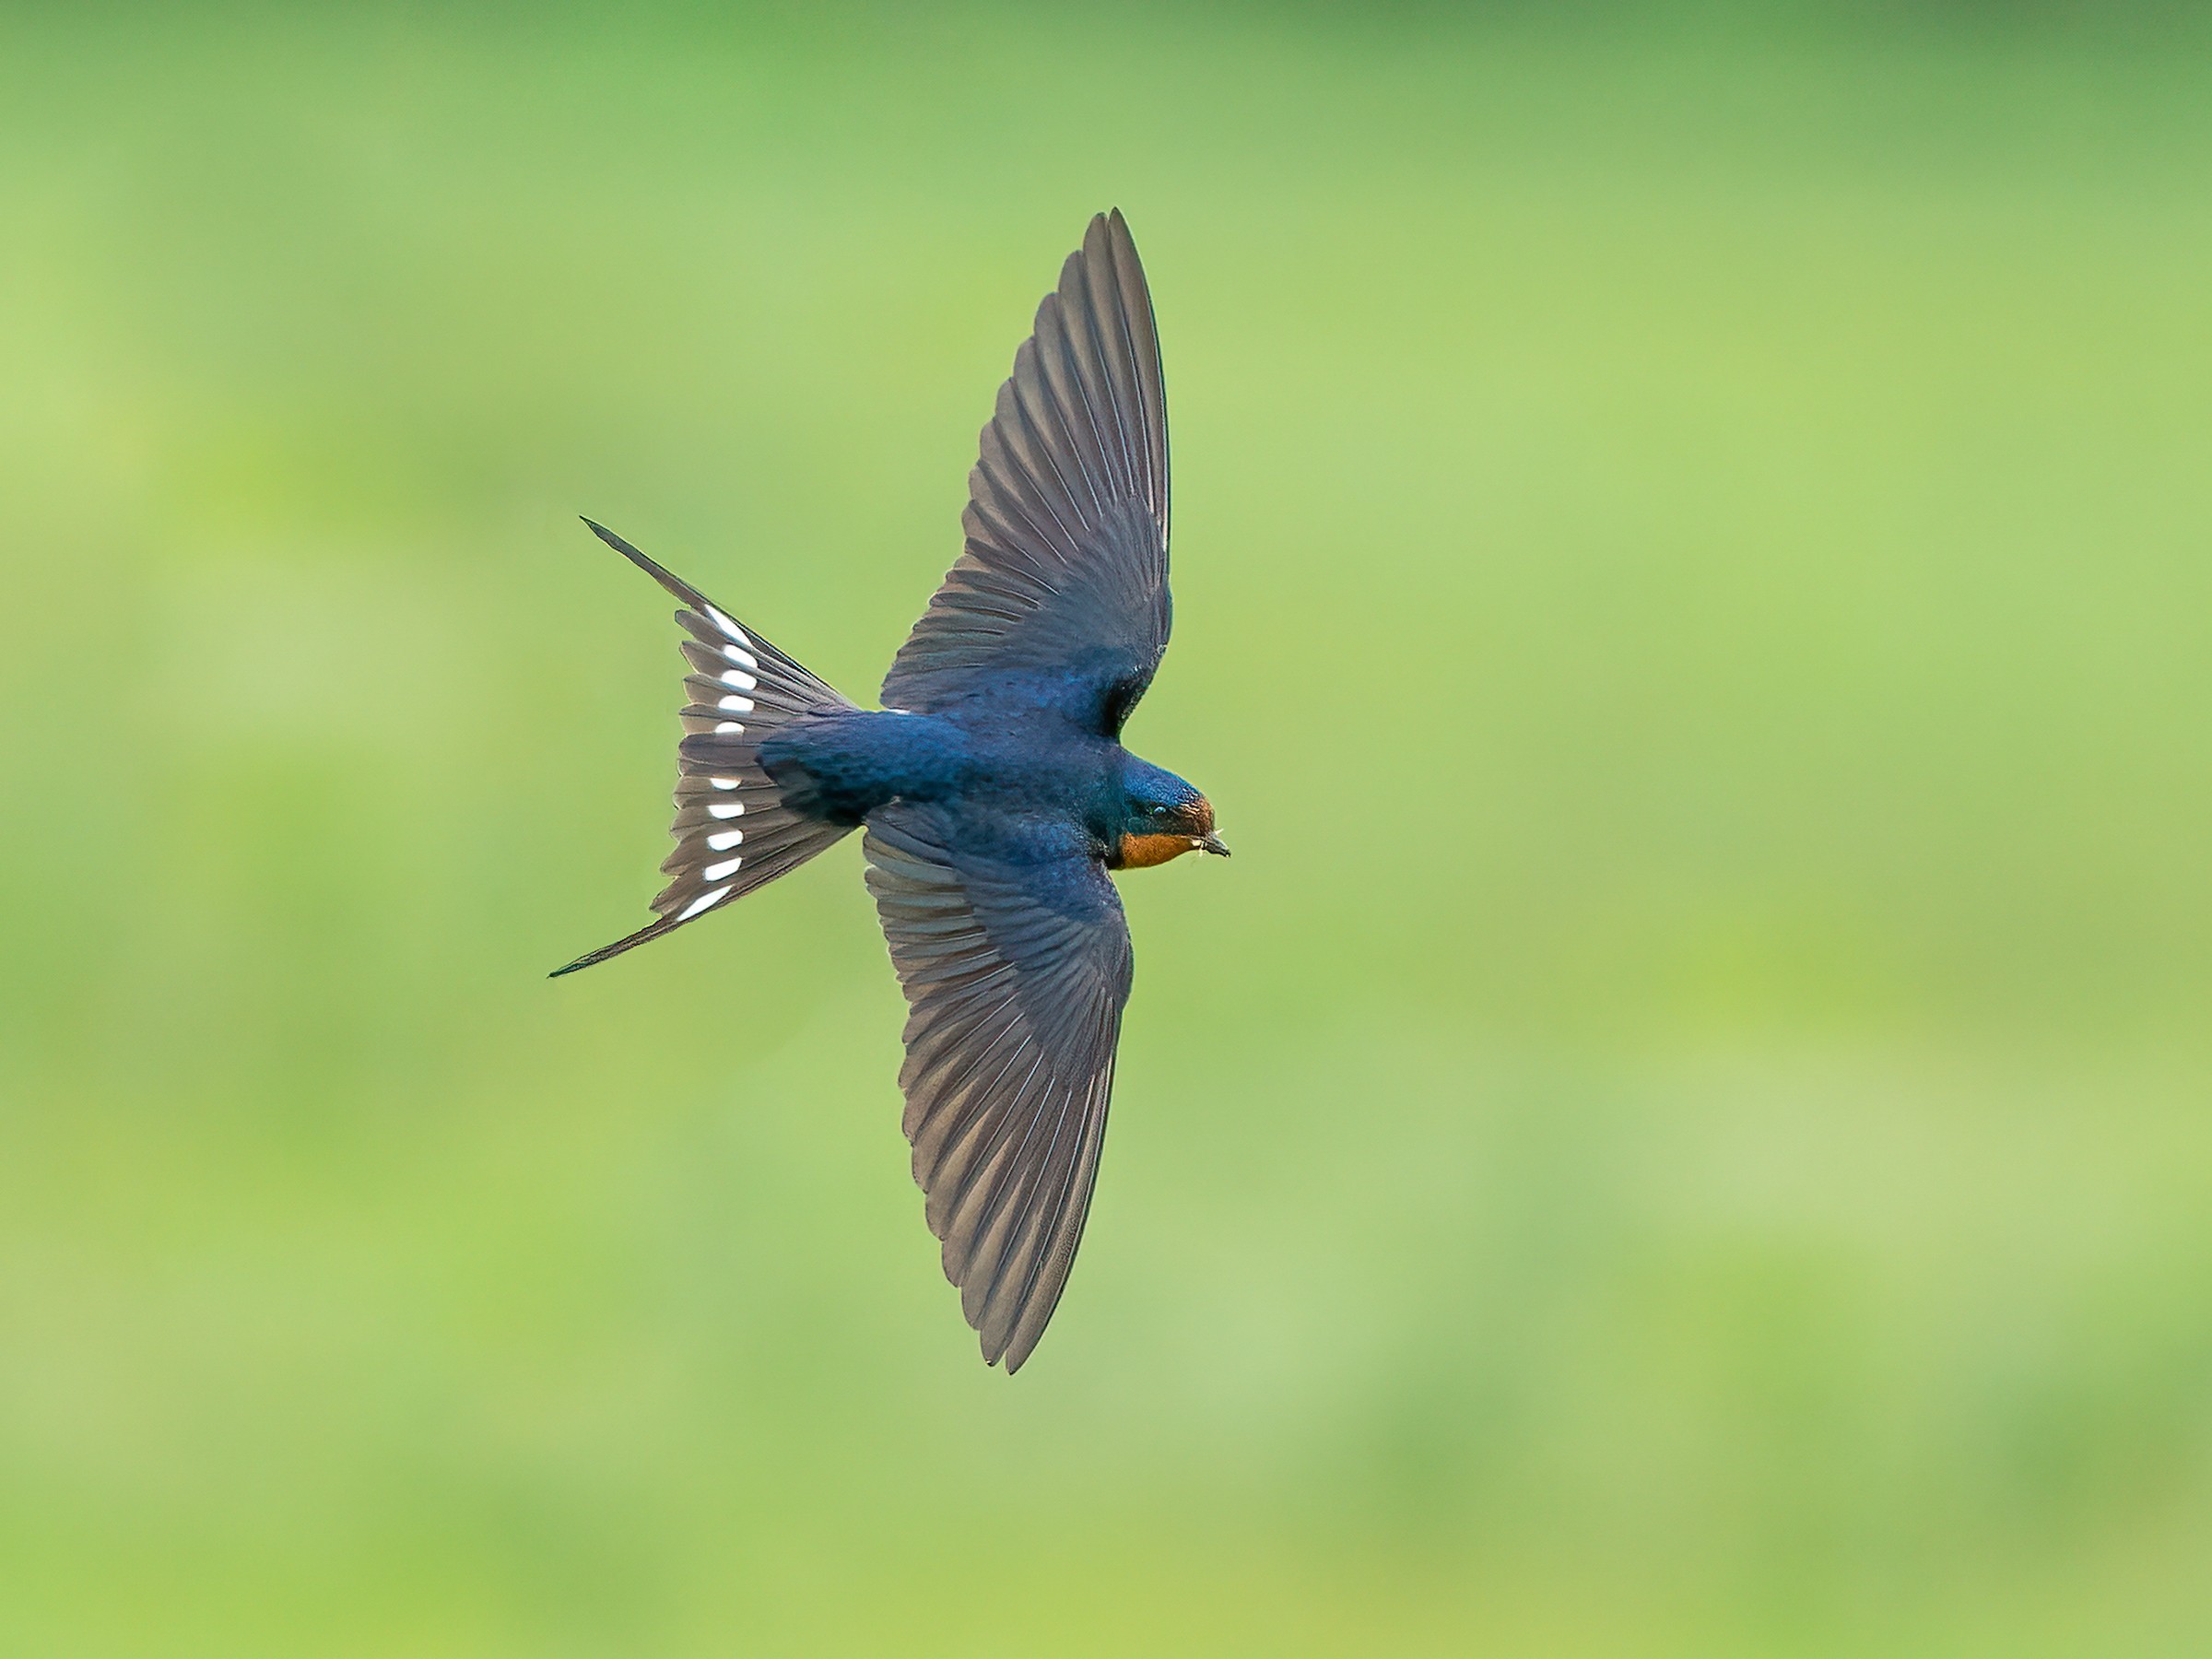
1157, 811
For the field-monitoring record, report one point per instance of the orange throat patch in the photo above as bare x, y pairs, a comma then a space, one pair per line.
1140, 852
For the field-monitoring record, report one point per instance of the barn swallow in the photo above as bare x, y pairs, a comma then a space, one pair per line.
992, 790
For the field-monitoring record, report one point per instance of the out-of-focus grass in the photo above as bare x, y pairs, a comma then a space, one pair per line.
1682, 1131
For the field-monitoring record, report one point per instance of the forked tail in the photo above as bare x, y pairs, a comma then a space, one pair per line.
733, 831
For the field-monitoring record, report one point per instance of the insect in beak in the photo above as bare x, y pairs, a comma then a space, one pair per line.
1213, 844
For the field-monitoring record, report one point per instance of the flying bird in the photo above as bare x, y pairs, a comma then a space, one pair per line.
992, 790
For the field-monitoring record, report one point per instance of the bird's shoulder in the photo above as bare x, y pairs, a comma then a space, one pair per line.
1023, 739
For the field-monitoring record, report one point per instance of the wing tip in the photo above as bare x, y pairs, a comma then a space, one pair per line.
1004, 1354
1114, 225
1028, 1331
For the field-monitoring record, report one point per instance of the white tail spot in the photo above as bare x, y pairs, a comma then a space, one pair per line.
727, 626
723, 782
726, 809
737, 677
742, 705
721, 726
725, 840
721, 872
704, 901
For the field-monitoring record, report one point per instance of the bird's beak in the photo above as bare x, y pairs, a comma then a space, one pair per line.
1213, 844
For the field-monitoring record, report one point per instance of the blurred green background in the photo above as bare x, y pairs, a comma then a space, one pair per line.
1682, 1132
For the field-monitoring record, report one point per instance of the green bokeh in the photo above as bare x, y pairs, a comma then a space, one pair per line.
1683, 1131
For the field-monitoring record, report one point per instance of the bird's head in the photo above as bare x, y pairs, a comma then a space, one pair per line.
1162, 818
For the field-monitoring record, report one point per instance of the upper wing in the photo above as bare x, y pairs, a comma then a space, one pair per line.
1015, 972
1062, 587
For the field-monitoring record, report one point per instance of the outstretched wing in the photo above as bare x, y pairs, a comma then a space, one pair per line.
1016, 970
1062, 592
